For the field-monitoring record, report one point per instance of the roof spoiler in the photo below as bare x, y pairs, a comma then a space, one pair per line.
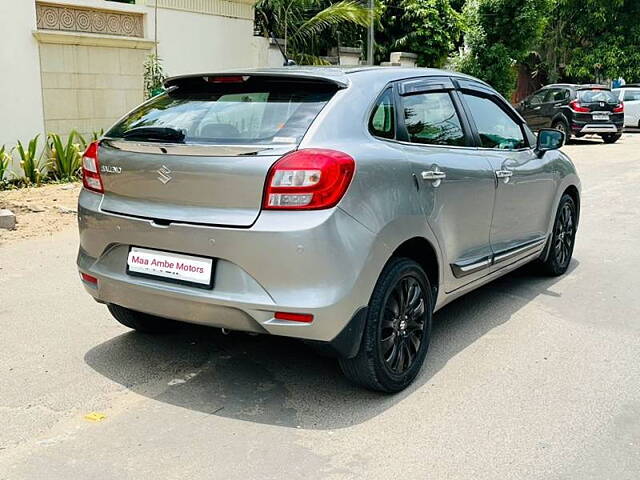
302, 75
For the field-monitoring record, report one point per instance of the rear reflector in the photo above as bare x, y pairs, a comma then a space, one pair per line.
294, 317
91, 169
88, 278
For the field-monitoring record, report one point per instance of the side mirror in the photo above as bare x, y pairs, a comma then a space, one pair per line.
549, 139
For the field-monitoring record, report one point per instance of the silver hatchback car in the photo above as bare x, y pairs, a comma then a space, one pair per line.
342, 207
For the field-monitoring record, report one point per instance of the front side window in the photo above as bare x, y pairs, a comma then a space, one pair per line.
431, 118
254, 111
382, 122
496, 128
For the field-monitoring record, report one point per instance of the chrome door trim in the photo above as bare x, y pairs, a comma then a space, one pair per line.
512, 252
193, 149
462, 269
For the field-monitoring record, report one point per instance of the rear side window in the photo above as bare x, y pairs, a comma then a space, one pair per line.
594, 96
631, 95
431, 118
557, 95
252, 111
383, 118
538, 97
495, 127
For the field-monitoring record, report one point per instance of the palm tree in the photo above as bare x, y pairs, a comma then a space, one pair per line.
302, 22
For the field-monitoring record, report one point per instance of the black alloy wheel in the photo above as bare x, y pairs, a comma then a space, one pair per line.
402, 325
564, 235
397, 330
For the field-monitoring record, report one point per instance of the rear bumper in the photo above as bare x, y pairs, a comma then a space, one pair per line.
600, 129
302, 262
584, 124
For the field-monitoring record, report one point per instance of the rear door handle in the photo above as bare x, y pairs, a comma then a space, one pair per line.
435, 176
504, 174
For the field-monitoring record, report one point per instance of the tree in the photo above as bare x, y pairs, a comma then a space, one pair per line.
429, 28
593, 40
499, 35
303, 24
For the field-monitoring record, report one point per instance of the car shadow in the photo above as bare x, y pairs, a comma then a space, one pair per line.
586, 141
280, 381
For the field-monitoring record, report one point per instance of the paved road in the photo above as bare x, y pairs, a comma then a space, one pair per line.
526, 378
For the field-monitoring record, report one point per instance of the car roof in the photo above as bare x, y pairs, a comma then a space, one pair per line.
576, 86
340, 76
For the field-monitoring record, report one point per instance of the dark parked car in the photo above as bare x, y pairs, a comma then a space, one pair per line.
577, 110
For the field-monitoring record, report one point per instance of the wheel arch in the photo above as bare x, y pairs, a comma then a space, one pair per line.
421, 251
560, 117
573, 192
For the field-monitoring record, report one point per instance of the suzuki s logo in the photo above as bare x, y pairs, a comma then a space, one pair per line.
164, 175
602, 104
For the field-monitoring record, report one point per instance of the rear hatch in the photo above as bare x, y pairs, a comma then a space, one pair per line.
200, 152
599, 102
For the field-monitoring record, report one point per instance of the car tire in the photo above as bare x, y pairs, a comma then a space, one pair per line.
142, 322
563, 126
397, 330
562, 239
611, 137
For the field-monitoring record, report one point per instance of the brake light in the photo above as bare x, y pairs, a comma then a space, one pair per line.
91, 169
228, 79
309, 179
576, 107
294, 317
619, 108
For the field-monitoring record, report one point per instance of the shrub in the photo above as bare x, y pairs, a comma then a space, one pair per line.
5, 162
95, 135
32, 165
65, 159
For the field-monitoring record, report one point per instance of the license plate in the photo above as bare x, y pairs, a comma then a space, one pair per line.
171, 267
600, 116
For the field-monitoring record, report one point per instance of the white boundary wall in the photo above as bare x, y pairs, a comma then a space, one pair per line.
21, 111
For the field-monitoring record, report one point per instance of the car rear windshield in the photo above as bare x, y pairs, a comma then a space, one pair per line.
229, 110
594, 96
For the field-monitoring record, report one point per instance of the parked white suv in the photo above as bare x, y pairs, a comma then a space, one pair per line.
630, 95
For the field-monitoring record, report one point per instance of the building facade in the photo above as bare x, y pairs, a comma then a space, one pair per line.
78, 64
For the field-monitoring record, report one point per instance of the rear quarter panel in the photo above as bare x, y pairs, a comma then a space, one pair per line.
382, 195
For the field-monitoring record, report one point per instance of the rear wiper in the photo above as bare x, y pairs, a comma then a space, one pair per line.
155, 134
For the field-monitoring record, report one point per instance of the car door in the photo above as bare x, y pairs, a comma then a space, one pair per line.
456, 185
553, 101
531, 109
631, 107
525, 182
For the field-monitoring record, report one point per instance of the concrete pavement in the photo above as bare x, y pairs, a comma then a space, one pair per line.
526, 378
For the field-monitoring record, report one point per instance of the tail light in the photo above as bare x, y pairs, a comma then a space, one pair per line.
309, 179
91, 169
576, 107
619, 108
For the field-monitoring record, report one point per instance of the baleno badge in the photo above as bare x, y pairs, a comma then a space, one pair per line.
110, 169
